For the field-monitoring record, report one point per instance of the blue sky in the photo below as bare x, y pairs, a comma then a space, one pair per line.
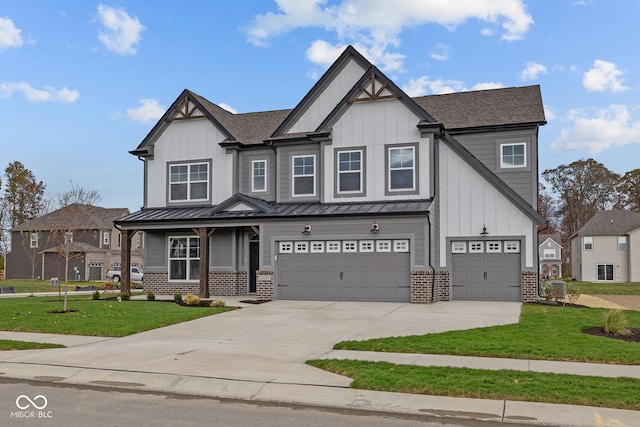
83, 82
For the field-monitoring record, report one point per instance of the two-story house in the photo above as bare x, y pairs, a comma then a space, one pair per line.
550, 256
85, 233
607, 248
358, 193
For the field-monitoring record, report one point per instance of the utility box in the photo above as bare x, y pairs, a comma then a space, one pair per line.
559, 288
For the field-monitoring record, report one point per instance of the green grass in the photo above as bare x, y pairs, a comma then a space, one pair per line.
98, 318
544, 333
623, 393
591, 288
25, 345
28, 286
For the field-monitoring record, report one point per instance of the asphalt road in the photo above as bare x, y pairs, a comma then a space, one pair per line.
49, 404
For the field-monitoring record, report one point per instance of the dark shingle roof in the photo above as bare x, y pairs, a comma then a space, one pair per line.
75, 216
555, 237
611, 223
482, 108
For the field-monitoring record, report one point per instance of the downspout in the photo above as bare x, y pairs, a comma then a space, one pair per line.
433, 198
546, 226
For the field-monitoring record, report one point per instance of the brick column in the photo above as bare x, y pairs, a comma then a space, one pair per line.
529, 286
421, 286
265, 287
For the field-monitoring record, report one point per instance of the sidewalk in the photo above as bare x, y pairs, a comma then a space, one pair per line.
258, 353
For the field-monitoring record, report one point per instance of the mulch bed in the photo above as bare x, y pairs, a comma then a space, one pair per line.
598, 331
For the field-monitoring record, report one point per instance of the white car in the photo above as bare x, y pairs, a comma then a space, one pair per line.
115, 274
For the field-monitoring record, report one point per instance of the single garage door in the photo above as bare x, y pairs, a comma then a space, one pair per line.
349, 270
486, 271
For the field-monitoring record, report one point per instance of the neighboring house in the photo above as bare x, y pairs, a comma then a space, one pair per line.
550, 256
607, 248
359, 193
93, 244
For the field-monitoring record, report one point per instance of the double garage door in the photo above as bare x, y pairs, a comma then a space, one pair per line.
344, 270
486, 270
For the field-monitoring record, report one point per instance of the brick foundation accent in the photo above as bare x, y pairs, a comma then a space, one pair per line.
264, 285
228, 283
529, 286
221, 283
421, 286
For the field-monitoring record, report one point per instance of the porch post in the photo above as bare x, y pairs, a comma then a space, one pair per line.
125, 261
204, 234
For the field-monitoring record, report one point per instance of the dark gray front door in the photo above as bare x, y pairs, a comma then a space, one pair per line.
486, 276
361, 276
254, 264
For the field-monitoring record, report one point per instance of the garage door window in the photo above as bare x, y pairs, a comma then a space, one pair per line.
317, 247
285, 247
512, 247
302, 247
366, 245
401, 246
349, 246
333, 246
383, 245
494, 247
459, 247
476, 247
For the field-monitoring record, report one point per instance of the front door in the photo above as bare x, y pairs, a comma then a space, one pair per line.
254, 264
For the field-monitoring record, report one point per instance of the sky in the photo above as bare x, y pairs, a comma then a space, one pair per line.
83, 82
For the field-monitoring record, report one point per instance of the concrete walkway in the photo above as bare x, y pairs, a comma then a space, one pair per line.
258, 353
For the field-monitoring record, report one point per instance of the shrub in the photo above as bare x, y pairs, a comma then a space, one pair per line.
217, 303
96, 295
150, 296
125, 296
573, 292
177, 297
615, 322
192, 299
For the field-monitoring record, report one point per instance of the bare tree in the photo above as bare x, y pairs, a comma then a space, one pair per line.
547, 209
77, 195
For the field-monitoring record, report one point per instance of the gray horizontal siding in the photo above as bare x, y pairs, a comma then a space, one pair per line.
284, 179
245, 173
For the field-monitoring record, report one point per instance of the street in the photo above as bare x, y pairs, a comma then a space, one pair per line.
25, 403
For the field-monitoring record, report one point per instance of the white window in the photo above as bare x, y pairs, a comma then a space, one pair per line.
68, 236
317, 247
622, 243
513, 155
366, 245
383, 245
333, 246
476, 247
588, 243
106, 236
350, 246
458, 247
605, 271
285, 247
401, 246
401, 169
549, 253
33, 240
302, 247
189, 182
304, 175
259, 175
494, 247
512, 247
349, 172
184, 258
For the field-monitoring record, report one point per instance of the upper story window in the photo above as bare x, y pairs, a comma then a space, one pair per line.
350, 172
33, 240
549, 253
622, 243
588, 243
188, 182
513, 155
68, 236
304, 175
401, 169
259, 175
106, 236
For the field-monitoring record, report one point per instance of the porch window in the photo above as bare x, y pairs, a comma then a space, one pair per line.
184, 258
188, 182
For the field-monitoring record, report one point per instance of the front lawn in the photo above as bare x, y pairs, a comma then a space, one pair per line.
94, 317
25, 286
25, 345
544, 333
623, 393
591, 288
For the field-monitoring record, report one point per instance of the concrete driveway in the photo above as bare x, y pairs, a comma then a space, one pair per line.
269, 342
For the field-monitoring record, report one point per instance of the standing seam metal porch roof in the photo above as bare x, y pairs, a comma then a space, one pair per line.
279, 210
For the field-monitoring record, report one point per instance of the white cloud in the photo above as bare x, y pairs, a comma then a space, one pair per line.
323, 53
377, 24
149, 110
440, 52
532, 70
604, 76
228, 107
9, 34
120, 32
31, 94
425, 86
608, 128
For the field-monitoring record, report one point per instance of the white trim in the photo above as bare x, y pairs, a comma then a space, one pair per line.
317, 246
301, 247
366, 245
359, 171
294, 176
494, 247
253, 176
383, 245
512, 247
285, 247
458, 247
350, 246
188, 182
504, 165
476, 247
401, 245
333, 246
412, 168
187, 259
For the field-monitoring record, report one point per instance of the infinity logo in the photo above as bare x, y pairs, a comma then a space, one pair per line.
33, 403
